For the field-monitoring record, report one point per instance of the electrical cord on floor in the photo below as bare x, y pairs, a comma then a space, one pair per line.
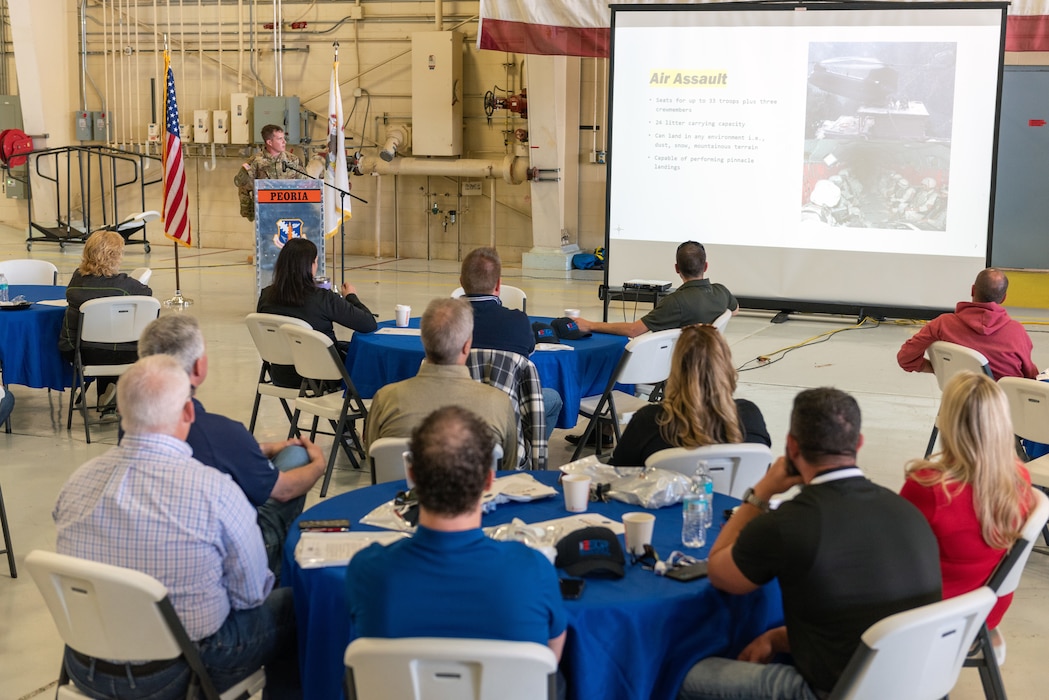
776, 355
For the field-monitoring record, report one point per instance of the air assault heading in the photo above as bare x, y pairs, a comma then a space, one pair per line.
701, 78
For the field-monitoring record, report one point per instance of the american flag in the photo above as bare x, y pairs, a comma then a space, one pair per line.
176, 198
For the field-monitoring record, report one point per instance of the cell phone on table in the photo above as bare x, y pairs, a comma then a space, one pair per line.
572, 588
333, 525
688, 573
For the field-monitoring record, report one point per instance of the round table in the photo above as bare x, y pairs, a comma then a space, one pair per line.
29, 340
377, 359
633, 638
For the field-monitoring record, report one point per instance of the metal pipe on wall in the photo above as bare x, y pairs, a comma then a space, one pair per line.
377, 203
512, 169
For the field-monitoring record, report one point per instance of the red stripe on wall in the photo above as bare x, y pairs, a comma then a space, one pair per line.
548, 40
1027, 33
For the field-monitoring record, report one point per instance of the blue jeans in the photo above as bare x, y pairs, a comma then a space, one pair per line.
248, 639
274, 517
728, 679
552, 404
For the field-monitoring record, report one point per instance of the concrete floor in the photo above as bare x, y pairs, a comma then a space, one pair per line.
898, 411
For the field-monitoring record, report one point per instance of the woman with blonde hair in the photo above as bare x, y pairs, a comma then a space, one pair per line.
697, 407
99, 276
975, 493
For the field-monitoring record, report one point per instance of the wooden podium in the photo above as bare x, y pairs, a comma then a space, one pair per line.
286, 209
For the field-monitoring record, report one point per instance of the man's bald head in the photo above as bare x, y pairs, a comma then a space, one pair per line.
990, 286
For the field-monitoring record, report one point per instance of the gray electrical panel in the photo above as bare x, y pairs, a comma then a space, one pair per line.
268, 110
85, 130
293, 122
101, 122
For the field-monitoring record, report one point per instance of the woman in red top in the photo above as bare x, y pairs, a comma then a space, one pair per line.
975, 493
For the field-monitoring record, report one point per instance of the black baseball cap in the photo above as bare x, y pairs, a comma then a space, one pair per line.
544, 333
567, 329
592, 551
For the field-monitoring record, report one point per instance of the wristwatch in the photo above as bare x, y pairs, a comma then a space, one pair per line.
749, 497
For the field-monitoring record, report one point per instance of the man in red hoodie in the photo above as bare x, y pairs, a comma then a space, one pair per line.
982, 325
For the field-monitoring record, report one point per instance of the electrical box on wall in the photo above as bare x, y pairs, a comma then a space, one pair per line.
100, 122
267, 110
292, 122
437, 93
220, 126
201, 126
153, 133
239, 119
84, 128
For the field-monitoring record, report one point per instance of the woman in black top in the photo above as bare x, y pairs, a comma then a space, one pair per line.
697, 408
99, 276
294, 293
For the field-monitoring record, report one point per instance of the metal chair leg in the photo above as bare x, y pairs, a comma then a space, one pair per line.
8, 549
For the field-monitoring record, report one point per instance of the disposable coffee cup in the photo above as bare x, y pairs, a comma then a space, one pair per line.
402, 312
638, 527
572, 313
577, 492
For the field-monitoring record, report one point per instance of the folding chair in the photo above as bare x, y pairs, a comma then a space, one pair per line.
317, 361
948, 359
1029, 409
107, 323
512, 297
133, 224
8, 548
916, 654
386, 456
645, 360
423, 668
29, 271
734, 467
1004, 580
517, 377
273, 350
721, 322
109, 612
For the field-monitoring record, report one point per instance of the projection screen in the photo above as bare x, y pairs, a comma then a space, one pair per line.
825, 154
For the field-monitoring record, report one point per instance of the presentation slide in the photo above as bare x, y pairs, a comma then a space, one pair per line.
825, 154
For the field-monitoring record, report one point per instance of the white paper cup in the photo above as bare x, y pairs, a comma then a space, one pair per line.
638, 528
577, 492
402, 312
572, 313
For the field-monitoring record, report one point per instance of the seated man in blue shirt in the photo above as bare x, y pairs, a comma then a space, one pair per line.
495, 326
450, 579
275, 476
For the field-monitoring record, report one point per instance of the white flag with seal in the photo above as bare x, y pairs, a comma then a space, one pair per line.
336, 206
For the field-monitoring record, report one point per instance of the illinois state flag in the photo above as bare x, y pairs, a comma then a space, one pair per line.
581, 27
176, 196
335, 170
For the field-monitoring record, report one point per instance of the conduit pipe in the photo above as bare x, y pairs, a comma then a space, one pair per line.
377, 202
512, 169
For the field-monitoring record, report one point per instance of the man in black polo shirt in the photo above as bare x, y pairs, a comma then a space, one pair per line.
697, 300
846, 553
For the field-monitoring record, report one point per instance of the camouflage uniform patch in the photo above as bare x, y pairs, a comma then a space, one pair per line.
262, 165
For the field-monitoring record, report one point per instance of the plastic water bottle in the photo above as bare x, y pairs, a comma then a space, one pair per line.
705, 485
694, 518
3, 287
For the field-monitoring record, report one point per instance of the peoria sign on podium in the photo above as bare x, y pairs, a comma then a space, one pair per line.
286, 209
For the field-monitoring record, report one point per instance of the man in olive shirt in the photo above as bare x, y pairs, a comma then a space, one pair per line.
697, 300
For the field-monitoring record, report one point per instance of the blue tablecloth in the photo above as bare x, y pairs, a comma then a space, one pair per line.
634, 638
29, 341
377, 359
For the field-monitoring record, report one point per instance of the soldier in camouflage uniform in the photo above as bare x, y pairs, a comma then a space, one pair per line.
266, 163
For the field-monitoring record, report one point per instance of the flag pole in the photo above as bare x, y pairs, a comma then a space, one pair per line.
177, 301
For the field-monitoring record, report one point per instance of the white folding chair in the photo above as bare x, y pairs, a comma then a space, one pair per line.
386, 456
721, 322
273, 350
423, 668
512, 297
916, 654
1029, 409
117, 614
107, 322
28, 271
1003, 581
645, 360
141, 274
317, 361
134, 223
734, 467
948, 359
